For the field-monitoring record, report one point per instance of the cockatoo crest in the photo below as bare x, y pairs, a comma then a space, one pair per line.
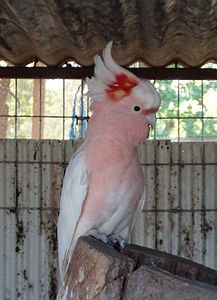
121, 87
113, 82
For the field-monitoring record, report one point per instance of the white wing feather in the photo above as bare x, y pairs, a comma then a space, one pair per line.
75, 186
139, 207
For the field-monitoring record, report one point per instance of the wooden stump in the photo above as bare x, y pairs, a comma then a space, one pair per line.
97, 271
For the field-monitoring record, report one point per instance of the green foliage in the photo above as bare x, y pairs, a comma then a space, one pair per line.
22, 90
55, 120
188, 109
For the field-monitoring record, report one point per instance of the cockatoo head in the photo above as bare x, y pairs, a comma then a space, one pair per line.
119, 92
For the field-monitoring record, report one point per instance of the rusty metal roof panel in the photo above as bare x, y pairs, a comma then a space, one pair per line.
156, 32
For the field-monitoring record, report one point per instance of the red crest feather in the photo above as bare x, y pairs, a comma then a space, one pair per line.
121, 87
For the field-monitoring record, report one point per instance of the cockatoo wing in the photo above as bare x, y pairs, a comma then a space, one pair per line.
75, 186
139, 208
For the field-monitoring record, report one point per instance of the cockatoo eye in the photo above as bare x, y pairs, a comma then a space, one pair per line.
137, 108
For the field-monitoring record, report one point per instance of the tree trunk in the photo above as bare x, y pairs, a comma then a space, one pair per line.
99, 272
4, 91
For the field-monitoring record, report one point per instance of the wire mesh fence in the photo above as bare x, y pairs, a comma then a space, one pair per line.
41, 109
60, 109
179, 216
188, 110
37, 115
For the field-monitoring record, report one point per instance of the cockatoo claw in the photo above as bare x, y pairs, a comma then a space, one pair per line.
117, 241
98, 235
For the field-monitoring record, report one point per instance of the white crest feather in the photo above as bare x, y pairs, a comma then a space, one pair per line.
104, 74
101, 72
111, 81
145, 90
96, 88
112, 65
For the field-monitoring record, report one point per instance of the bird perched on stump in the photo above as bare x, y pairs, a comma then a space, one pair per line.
103, 189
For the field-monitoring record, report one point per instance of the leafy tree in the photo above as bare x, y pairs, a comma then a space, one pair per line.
188, 109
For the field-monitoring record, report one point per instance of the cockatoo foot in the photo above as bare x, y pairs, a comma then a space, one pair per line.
98, 235
117, 241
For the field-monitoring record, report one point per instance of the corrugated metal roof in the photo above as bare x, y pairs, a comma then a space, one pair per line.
180, 214
157, 32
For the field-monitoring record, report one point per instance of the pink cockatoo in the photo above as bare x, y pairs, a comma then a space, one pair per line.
103, 188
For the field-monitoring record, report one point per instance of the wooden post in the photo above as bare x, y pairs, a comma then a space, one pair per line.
4, 91
99, 272
38, 108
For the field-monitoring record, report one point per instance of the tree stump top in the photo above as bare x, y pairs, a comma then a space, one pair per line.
98, 271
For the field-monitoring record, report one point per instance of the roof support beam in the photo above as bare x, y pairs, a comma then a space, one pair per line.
159, 73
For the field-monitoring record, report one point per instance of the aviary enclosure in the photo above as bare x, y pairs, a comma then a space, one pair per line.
179, 166
44, 115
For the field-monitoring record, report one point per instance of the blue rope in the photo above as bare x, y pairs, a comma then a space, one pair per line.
82, 113
72, 133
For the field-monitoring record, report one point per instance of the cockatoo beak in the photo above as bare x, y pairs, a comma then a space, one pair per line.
151, 118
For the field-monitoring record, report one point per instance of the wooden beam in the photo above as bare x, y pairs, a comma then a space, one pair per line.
46, 72
83, 72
